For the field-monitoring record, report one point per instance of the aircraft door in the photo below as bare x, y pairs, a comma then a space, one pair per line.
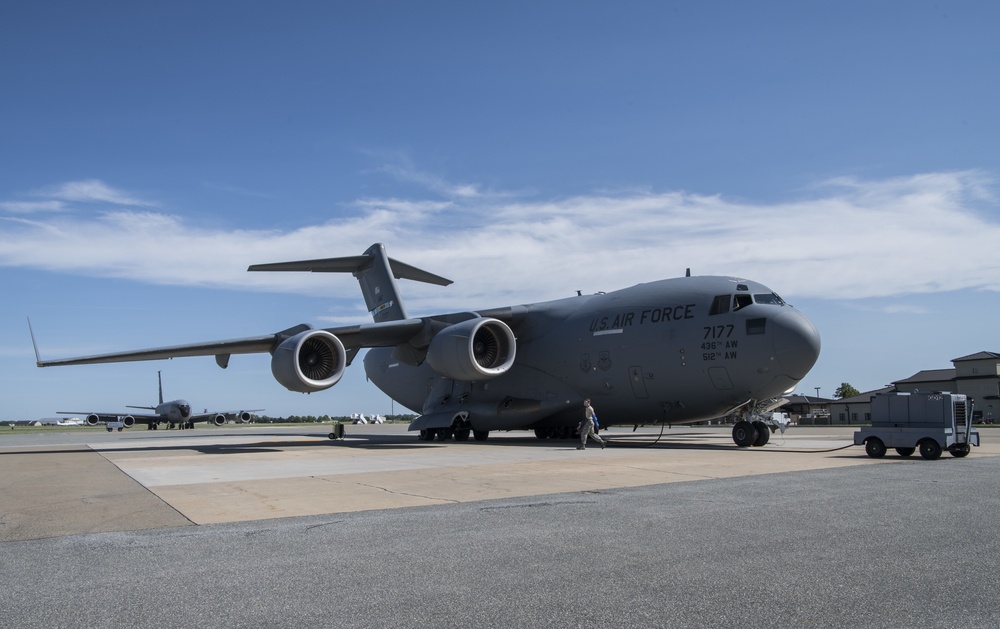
638, 382
720, 378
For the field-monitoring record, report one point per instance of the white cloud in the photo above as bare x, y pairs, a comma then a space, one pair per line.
93, 191
849, 239
32, 207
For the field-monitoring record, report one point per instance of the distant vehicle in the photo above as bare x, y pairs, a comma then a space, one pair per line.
70, 421
114, 425
672, 351
359, 418
175, 413
932, 422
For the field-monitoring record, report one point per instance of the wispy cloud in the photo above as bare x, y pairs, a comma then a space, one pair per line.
93, 191
845, 239
32, 207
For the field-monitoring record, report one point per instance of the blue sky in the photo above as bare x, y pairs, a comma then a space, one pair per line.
843, 153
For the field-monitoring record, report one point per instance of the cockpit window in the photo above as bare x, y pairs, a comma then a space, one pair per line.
769, 298
720, 305
741, 301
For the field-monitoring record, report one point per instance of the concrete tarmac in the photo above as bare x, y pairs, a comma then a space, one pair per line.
281, 526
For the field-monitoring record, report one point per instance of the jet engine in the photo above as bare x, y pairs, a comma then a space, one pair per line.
309, 361
128, 421
93, 420
475, 349
244, 416
219, 420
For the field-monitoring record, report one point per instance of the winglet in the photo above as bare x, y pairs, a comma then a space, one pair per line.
38, 359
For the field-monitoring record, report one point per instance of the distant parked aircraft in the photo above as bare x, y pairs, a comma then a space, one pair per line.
175, 413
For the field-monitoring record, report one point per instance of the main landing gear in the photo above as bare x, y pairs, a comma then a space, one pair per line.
751, 434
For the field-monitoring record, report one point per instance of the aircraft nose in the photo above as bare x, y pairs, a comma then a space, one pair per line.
796, 343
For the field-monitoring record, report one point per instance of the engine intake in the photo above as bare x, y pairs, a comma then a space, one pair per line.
310, 361
476, 349
219, 420
128, 421
93, 420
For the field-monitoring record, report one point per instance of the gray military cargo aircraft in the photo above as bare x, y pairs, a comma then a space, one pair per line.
673, 351
174, 413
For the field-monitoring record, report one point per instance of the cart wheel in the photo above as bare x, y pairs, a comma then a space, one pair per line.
929, 449
905, 451
960, 451
875, 448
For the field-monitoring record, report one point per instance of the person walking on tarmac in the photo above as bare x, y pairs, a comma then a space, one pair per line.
587, 426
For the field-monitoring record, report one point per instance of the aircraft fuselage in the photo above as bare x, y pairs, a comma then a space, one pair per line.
672, 351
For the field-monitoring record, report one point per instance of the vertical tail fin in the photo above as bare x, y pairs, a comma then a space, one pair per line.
376, 273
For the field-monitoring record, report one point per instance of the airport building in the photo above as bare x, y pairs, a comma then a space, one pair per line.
976, 375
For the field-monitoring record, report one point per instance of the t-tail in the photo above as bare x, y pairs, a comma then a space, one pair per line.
376, 272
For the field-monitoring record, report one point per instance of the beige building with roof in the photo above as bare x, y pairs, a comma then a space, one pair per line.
976, 375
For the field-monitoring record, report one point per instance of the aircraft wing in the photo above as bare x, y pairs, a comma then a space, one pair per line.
200, 417
113, 417
353, 337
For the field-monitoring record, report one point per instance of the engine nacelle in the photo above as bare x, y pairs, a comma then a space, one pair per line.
128, 421
476, 349
310, 361
244, 416
219, 420
93, 420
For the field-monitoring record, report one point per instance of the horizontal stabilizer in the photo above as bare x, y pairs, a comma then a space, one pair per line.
354, 264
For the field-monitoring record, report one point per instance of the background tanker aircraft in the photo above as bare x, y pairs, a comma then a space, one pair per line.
672, 351
175, 413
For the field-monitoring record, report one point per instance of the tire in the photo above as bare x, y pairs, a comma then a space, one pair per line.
874, 447
541, 433
930, 450
480, 435
763, 434
462, 434
744, 434
905, 451
960, 450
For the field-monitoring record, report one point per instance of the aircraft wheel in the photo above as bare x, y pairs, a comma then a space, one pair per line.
929, 449
960, 451
763, 434
875, 448
462, 434
744, 434
480, 435
905, 451
444, 434
541, 433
